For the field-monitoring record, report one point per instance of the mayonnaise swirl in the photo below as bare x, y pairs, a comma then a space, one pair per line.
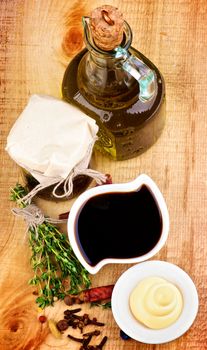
156, 302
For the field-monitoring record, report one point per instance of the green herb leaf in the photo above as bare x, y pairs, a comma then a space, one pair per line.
103, 305
53, 260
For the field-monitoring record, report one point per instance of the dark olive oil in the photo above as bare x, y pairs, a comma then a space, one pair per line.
127, 126
118, 225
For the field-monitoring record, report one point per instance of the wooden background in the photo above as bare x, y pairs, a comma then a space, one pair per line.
37, 40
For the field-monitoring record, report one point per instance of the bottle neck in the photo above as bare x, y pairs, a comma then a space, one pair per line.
116, 74
102, 61
104, 84
101, 79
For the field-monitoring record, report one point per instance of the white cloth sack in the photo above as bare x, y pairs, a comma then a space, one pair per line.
54, 141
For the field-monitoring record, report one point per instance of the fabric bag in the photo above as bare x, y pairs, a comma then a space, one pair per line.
53, 141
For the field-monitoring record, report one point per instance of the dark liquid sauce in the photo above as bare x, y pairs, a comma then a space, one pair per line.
118, 225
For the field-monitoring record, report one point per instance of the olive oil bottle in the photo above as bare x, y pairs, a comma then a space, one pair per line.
121, 89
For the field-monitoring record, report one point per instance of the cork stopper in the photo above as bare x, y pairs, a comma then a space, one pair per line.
107, 27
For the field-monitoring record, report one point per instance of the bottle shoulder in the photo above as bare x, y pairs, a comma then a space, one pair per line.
132, 114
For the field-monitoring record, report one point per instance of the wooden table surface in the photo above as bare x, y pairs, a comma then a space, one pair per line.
37, 40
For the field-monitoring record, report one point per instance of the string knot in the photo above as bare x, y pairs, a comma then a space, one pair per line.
31, 214
34, 217
80, 169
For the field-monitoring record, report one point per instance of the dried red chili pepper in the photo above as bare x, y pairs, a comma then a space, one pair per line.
90, 295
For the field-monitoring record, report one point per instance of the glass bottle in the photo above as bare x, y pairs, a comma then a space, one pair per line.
122, 90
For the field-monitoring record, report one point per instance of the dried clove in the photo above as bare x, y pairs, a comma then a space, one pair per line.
76, 317
74, 324
81, 326
79, 340
96, 332
77, 321
95, 322
73, 311
86, 341
102, 343
80, 321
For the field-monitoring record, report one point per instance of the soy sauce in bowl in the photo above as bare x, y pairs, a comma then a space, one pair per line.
118, 225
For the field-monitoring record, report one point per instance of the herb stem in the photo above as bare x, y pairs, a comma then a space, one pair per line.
53, 260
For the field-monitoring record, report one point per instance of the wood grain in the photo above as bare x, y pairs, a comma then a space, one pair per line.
37, 40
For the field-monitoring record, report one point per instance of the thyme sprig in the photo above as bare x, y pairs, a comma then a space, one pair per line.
53, 260
106, 305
